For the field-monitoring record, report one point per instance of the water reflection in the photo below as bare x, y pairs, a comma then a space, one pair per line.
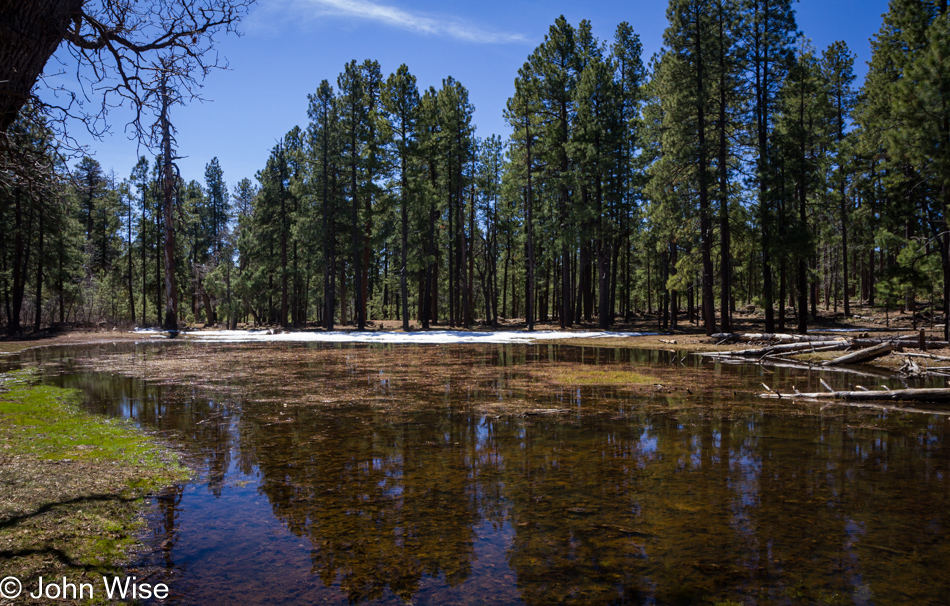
393, 474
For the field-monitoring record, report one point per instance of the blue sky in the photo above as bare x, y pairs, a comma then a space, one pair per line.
289, 46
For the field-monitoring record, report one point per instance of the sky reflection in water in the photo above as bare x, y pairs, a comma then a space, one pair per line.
355, 474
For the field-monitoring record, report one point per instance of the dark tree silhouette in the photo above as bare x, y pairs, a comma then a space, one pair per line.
114, 39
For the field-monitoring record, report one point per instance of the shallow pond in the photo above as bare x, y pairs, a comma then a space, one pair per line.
537, 474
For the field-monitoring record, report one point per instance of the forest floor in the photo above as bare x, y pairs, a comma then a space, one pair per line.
686, 337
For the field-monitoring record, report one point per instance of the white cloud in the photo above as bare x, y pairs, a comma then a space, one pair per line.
403, 19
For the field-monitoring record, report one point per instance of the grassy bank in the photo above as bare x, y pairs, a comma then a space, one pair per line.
72, 484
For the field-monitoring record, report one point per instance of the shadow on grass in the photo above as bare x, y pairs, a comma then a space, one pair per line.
93, 498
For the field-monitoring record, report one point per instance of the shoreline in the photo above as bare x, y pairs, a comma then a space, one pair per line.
638, 335
75, 484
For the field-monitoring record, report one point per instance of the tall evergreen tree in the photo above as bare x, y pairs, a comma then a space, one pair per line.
770, 30
353, 125
522, 114
631, 77
401, 100
837, 66
692, 43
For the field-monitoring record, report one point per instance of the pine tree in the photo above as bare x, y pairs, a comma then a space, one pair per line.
455, 125
692, 43
554, 69
401, 100
802, 134
727, 94
916, 39
770, 30
522, 114
837, 63
353, 124
631, 77
592, 148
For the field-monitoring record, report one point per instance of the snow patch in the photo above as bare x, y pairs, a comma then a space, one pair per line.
440, 337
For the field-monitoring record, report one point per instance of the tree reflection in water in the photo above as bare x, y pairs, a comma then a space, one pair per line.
409, 474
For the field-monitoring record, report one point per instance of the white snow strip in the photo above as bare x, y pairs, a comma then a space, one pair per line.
417, 338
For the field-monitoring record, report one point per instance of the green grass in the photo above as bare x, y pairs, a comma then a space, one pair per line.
74, 483
48, 423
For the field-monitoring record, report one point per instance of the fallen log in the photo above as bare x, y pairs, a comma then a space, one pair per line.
929, 356
939, 394
818, 347
774, 337
786, 355
876, 351
887, 408
862, 340
868, 341
808, 346
773, 362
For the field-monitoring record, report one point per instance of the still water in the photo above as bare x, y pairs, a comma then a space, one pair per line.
425, 474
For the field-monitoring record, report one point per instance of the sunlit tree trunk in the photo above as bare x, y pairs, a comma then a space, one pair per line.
168, 183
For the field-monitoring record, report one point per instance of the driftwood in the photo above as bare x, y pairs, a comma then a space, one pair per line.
773, 337
887, 408
900, 342
918, 395
807, 347
859, 338
780, 349
929, 356
775, 362
783, 348
543, 411
863, 355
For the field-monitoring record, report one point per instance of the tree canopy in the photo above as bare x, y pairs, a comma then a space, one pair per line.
740, 168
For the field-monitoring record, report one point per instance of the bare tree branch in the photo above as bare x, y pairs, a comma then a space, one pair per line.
115, 44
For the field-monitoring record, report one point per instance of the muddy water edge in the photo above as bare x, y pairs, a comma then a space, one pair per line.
537, 474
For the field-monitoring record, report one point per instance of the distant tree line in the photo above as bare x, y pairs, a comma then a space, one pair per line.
738, 166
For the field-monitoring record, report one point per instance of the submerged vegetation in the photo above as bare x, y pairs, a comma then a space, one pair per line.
73, 484
387, 474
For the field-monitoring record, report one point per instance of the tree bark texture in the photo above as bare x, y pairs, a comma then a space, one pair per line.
30, 32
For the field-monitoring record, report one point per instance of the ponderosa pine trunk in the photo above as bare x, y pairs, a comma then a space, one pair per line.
725, 242
129, 252
21, 260
564, 228
705, 227
603, 275
802, 217
404, 212
284, 290
355, 234
171, 288
529, 229
761, 61
329, 239
37, 321
945, 257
